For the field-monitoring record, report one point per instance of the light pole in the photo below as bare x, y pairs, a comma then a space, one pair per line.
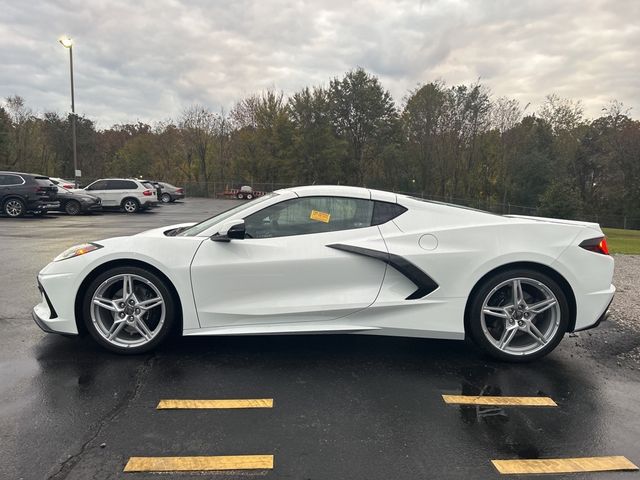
67, 42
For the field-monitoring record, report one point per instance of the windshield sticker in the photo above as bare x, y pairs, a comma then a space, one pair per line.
320, 216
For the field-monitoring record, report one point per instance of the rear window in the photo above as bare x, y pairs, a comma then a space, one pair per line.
43, 181
383, 212
148, 185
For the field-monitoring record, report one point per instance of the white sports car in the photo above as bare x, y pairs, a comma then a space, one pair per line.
330, 259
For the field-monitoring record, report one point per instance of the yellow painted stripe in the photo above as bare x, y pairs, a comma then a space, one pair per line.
194, 404
199, 464
500, 401
564, 465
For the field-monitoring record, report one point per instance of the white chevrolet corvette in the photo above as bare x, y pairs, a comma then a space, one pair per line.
329, 259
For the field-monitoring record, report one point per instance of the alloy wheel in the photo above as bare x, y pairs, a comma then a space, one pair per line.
520, 316
72, 207
166, 198
130, 206
14, 208
128, 310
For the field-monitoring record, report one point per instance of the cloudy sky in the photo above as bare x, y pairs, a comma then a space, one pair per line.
147, 59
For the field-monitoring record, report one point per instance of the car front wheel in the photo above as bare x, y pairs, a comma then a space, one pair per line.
72, 207
518, 315
128, 310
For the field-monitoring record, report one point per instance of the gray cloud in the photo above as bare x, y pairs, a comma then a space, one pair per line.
146, 60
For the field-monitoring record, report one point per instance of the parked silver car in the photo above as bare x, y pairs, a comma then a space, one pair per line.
170, 193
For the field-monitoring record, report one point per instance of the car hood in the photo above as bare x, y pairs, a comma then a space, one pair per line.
592, 225
164, 231
78, 194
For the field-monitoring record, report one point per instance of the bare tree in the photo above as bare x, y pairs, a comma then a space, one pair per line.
198, 126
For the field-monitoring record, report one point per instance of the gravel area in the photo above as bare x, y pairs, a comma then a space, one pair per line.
625, 309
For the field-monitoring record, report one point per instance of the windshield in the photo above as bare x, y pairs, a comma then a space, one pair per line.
210, 222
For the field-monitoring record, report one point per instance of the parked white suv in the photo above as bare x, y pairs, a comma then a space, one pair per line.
126, 193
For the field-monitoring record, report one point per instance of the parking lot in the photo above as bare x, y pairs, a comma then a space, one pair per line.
344, 406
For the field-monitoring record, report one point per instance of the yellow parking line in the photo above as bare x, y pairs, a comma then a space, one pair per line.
563, 465
500, 401
199, 464
195, 404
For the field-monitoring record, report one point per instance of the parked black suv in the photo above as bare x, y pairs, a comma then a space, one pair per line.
25, 192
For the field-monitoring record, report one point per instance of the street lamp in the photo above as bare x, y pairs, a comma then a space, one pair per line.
67, 42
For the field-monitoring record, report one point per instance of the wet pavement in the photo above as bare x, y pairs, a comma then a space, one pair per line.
353, 407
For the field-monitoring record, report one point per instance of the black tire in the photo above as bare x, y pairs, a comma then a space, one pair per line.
478, 334
72, 207
14, 207
249, 196
240, 196
170, 308
130, 205
165, 198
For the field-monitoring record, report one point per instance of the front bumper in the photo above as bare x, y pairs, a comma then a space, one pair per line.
58, 317
91, 207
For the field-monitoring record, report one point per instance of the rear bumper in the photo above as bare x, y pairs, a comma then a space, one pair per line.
600, 319
42, 205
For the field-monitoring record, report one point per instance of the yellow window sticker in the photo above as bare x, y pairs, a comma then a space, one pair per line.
320, 216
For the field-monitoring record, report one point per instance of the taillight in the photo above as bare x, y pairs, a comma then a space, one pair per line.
68, 185
147, 193
179, 190
598, 245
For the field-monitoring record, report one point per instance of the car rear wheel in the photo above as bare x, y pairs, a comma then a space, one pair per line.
249, 196
14, 207
518, 315
166, 198
130, 205
72, 207
239, 196
128, 310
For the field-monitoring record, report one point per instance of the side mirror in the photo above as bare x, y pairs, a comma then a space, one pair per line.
230, 230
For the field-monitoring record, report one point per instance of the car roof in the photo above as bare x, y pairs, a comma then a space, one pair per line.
340, 191
7, 172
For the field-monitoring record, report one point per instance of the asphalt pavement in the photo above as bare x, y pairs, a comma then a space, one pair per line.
344, 406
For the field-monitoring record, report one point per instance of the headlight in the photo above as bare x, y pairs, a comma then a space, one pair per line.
77, 250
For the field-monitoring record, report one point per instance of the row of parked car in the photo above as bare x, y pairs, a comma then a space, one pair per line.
22, 193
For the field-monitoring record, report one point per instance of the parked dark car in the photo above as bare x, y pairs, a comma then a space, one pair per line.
74, 203
21, 193
170, 193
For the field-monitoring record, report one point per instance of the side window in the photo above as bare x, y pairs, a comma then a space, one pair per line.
121, 185
9, 179
302, 216
383, 212
99, 185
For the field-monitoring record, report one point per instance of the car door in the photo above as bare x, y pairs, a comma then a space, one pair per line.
288, 268
99, 188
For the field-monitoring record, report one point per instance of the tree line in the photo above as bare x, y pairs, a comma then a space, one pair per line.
455, 143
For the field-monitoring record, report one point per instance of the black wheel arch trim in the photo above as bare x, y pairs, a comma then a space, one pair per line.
424, 282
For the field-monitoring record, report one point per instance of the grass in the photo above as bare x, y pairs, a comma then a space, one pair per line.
623, 241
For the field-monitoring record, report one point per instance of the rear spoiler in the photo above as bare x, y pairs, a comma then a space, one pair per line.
592, 225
